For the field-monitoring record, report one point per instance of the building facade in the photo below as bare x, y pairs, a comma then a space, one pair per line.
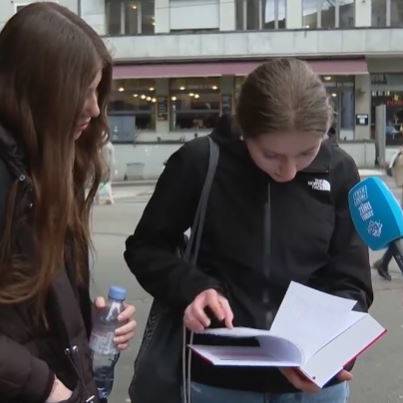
179, 64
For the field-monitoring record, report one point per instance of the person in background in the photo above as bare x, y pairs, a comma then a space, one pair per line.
395, 170
55, 79
277, 212
331, 134
105, 188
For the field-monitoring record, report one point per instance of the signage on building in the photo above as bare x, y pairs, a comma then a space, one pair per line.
361, 119
378, 78
393, 102
162, 108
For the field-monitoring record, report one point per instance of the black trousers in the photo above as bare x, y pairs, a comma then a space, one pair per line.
386, 258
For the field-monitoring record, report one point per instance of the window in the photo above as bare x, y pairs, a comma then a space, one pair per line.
132, 108
238, 85
379, 13
274, 12
396, 11
387, 89
328, 14
310, 13
386, 13
20, 6
341, 92
249, 14
195, 103
194, 15
258, 14
347, 13
393, 100
129, 17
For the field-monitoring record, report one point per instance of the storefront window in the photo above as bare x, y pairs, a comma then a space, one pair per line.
379, 13
387, 89
195, 103
393, 100
238, 85
132, 109
341, 92
396, 8
129, 17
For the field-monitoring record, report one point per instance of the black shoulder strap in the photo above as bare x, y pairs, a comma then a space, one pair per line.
193, 246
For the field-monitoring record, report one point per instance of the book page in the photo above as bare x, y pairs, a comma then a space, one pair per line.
329, 360
310, 318
236, 332
272, 352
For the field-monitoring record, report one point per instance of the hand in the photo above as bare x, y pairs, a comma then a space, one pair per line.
344, 375
59, 392
195, 317
299, 380
124, 333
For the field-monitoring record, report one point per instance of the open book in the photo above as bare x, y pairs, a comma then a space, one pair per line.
317, 332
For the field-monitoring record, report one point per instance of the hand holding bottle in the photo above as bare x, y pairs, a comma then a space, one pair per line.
109, 337
124, 333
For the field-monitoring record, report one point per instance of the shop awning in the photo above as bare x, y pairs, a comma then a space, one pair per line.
237, 68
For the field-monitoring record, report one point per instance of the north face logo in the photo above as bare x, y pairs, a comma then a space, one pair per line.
320, 184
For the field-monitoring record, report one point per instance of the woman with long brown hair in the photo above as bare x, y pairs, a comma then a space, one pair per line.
55, 77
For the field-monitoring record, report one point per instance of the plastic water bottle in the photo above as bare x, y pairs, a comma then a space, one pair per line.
104, 351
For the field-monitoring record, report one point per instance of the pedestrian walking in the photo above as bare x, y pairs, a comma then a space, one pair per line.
277, 212
396, 171
105, 187
55, 77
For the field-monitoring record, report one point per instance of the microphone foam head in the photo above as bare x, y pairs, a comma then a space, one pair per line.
376, 214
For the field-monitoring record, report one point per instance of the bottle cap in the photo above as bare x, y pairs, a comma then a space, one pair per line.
118, 293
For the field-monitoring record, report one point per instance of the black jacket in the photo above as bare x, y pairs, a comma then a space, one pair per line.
258, 236
31, 354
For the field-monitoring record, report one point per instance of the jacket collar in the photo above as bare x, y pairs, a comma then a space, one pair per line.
321, 164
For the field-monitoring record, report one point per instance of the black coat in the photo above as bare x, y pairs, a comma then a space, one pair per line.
31, 354
307, 236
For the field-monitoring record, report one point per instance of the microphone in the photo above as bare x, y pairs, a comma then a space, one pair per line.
377, 216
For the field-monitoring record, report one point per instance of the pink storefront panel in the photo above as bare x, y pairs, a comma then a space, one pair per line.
238, 68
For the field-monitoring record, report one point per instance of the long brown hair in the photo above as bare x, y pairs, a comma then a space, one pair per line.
48, 59
283, 94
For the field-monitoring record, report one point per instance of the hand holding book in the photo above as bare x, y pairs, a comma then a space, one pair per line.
313, 331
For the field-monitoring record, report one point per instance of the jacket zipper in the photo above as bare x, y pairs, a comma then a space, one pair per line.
73, 355
266, 257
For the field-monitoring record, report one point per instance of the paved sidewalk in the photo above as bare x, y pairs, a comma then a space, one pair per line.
371, 172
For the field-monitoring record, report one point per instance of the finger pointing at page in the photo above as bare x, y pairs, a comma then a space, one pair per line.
196, 318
